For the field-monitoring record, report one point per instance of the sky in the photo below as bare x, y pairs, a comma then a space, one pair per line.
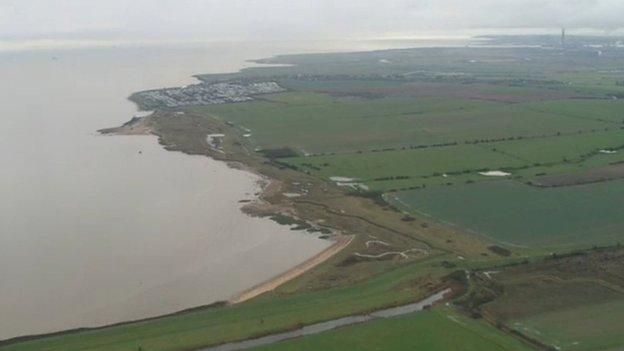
215, 20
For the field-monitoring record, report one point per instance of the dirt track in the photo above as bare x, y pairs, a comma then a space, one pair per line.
340, 243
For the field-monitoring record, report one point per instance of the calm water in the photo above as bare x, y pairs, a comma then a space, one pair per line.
93, 232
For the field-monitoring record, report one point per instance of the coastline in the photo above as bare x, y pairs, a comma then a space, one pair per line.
317, 207
355, 151
323, 207
330, 212
260, 206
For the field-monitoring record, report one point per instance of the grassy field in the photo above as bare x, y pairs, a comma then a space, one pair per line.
396, 169
603, 110
318, 123
367, 167
526, 158
482, 92
557, 149
523, 215
439, 329
588, 327
571, 303
380, 139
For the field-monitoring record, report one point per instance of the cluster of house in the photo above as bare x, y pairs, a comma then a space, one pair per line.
205, 94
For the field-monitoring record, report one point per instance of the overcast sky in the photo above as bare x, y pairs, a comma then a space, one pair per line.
293, 19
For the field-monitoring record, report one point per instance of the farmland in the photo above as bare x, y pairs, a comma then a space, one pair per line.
601, 110
406, 163
519, 214
424, 140
397, 148
390, 141
571, 303
440, 165
318, 123
559, 149
556, 328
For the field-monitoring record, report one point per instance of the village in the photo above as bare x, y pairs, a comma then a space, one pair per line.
204, 94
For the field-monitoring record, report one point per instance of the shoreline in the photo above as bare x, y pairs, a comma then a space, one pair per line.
268, 201
339, 244
258, 207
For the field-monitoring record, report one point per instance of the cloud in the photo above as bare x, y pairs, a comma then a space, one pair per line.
292, 19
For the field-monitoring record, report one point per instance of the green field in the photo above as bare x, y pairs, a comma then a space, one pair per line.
433, 161
603, 110
573, 303
384, 140
568, 329
318, 123
440, 329
559, 149
395, 169
519, 214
